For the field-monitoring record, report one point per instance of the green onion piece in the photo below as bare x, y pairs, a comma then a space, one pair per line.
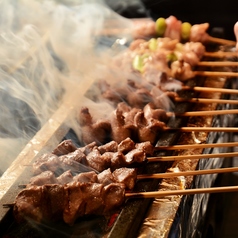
185, 30
153, 44
160, 26
138, 63
171, 57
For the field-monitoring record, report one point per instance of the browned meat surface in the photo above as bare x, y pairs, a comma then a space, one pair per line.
148, 130
111, 146
46, 162
118, 160
120, 130
77, 155
126, 145
96, 161
65, 177
150, 111
126, 176
46, 177
86, 177
98, 131
67, 202
92, 194
64, 147
113, 195
74, 203
135, 157
28, 204
105, 177
146, 146
88, 148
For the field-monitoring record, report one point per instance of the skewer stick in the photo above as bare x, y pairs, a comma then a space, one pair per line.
202, 129
221, 41
217, 63
215, 74
187, 173
211, 90
203, 113
158, 194
196, 146
221, 54
205, 100
200, 156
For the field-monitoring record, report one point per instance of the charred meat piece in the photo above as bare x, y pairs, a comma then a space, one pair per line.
108, 147
126, 145
118, 160
65, 177
86, 177
46, 162
92, 194
135, 157
121, 130
113, 196
106, 177
40, 203
64, 147
28, 204
99, 131
76, 155
150, 111
126, 176
67, 202
88, 148
46, 177
96, 161
74, 203
146, 146
148, 130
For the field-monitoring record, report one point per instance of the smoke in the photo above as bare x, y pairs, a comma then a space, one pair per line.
49, 51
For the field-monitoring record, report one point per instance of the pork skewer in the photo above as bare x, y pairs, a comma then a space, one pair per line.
69, 202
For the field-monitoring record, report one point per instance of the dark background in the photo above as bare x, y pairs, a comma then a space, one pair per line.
220, 14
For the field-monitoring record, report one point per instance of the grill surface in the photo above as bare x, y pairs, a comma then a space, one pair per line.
131, 218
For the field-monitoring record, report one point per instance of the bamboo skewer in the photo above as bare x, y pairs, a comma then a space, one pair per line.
202, 129
211, 90
196, 146
158, 194
221, 41
217, 63
200, 156
215, 74
203, 113
187, 173
221, 54
206, 100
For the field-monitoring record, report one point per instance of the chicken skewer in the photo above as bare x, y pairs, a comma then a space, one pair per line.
175, 29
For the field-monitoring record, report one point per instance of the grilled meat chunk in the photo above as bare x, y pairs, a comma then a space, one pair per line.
64, 147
